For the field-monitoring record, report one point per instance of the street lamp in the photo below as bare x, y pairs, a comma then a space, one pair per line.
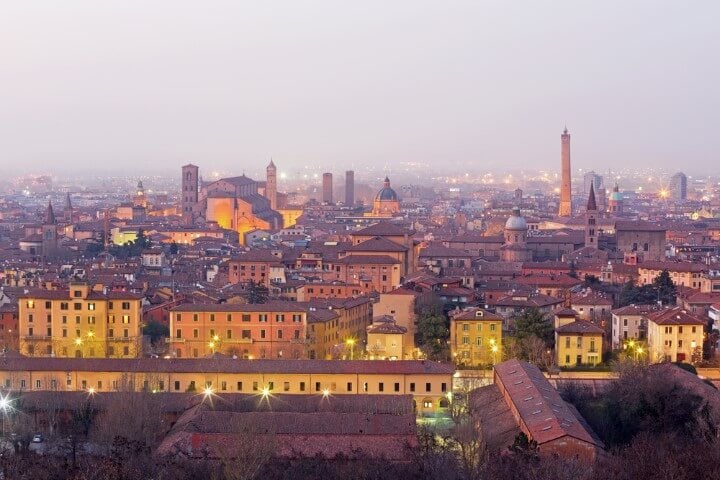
494, 350
351, 343
5, 406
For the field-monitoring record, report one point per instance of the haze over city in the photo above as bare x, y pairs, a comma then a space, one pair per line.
415, 240
113, 86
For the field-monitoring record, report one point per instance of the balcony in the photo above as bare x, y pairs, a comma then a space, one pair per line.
236, 340
121, 339
37, 338
174, 340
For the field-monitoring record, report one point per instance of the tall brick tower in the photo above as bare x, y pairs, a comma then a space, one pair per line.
271, 184
327, 193
349, 188
189, 194
565, 189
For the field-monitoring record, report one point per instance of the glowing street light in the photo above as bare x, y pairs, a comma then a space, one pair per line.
207, 391
91, 391
351, 343
78, 341
326, 392
265, 392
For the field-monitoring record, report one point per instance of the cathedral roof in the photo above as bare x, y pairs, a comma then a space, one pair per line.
386, 193
516, 221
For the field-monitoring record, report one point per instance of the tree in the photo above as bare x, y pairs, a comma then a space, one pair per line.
533, 322
433, 334
174, 248
156, 331
257, 292
665, 288
591, 280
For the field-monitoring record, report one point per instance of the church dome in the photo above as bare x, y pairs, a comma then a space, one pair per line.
516, 221
386, 193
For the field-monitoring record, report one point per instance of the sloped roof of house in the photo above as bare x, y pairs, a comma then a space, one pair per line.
545, 415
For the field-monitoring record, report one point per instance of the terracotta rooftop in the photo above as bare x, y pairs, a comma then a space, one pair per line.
580, 327
544, 414
675, 316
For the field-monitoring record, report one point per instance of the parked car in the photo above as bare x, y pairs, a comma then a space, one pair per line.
37, 438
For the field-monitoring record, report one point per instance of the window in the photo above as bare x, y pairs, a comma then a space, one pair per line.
428, 387
229, 334
262, 333
177, 385
286, 386
246, 317
37, 384
567, 342
466, 340
255, 386
63, 306
478, 341
317, 386
178, 317
412, 386
239, 386
196, 333
443, 387
349, 386
77, 306
466, 327
126, 305
279, 334
195, 317
178, 333
302, 386
279, 318
381, 387
223, 385
212, 317
91, 306
492, 327
262, 317
397, 387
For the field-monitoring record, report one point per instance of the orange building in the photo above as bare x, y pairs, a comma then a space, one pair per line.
271, 330
256, 266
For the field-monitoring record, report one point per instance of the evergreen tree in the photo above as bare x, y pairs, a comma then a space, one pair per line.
433, 334
533, 322
257, 293
665, 288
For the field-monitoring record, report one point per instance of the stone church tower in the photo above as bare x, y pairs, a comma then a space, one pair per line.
271, 185
49, 233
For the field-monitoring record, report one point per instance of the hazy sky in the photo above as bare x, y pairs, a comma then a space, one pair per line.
143, 84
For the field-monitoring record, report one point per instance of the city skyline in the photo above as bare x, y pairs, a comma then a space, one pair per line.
483, 86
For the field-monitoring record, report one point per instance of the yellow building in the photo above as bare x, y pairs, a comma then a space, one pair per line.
80, 322
428, 382
385, 339
400, 304
675, 335
476, 337
577, 342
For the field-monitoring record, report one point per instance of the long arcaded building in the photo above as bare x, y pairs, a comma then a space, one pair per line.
428, 382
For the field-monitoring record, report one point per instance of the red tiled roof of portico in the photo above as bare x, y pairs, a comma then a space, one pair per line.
542, 414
